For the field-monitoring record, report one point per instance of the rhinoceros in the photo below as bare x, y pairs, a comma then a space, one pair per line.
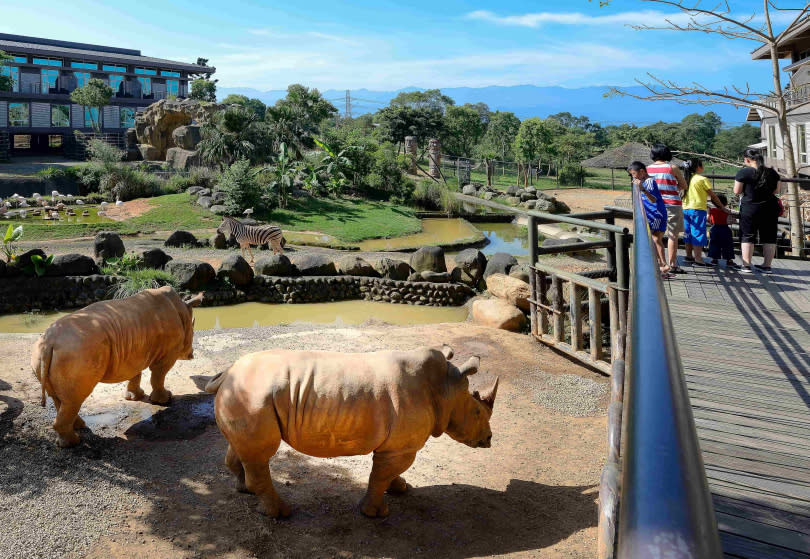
112, 341
328, 404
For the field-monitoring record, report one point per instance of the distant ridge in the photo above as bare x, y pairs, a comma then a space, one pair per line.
527, 101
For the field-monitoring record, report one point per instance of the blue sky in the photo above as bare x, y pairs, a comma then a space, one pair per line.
384, 44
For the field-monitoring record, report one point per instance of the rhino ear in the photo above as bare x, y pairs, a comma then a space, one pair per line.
488, 399
195, 301
447, 351
470, 367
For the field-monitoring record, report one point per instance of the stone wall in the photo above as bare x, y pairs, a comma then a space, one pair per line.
23, 293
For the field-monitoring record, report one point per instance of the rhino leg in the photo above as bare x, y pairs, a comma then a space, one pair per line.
65, 422
384, 471
134, 391
159, 394
258, 481
235, 466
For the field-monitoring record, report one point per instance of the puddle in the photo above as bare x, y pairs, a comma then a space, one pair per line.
249, 315
435, 231
185, 417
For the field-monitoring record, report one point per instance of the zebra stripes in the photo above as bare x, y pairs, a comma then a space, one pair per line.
247, 235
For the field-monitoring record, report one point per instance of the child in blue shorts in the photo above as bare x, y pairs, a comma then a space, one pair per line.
654, 209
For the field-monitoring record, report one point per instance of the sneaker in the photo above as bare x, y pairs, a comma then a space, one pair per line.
733, 265
688, 259
763, 269
701, 264
714, 262
746, 269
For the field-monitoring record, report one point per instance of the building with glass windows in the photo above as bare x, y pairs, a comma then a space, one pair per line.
37, 115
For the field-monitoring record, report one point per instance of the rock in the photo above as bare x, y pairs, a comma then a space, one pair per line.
543, 205
526, 196
416, 277
393, 269
236, 268
204, 201
273, 265
155, 126
471, 263
313, 264
497, 313
155, 258
520, 272
72, 265
191, 275
180, 239
218, 197
435, 277
350, 265
529, 204
149, 152
552, 242
514, 200
428, 259
513, 190
183, 159
218, 209
469, 190
205, 192
219, 241
106, 245
499, 263
187, 137
488, 195
511, 289
194, 190
561, 207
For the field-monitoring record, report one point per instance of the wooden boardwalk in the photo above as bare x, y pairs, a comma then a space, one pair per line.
745, 345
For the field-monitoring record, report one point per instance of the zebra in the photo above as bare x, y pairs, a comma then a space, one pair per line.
247, 235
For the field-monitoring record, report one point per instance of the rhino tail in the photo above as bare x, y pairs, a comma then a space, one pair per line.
43, 370
213, 384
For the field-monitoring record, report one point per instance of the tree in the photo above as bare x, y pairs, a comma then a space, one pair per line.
204, 90
281, 176
463, 130
429, 99
6, 83
730, 142
254, 105
290, 124
720, 21
533, 139
501, 133
400, 121
308, 102
93, 95
234, 133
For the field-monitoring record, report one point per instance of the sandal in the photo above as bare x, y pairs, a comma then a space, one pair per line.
677, 270
667, 275
688, 259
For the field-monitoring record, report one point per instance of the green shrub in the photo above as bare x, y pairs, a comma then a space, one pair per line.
242, 189
572, 175
122, 182
203, 176
427, 194
100, 151
138, 280
89, 177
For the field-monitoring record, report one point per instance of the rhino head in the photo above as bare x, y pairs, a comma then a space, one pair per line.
188, 351
470, 412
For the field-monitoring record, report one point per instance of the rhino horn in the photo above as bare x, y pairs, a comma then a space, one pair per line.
488, 399
195, 301
470, 367
447, 351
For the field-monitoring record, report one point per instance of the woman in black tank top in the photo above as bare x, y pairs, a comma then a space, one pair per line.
759, 209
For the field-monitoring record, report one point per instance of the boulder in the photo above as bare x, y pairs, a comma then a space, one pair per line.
520, 272
435, 277
205, 192
526, 196
186, 137
499, 263
72, 265
194, 190
497, 313
513, 190
236, 269
469, 190
529, 204
350, 265
416, 277
219, 241
106, 245
23, 260
183, 159
428, 259
471, 263
393, 269
218, 209
543, 205
218, 197
205, 201
511, 289
155, 258
561, 207
191, 275
552, 242
313, 264
149, 152
180, 239
514, 200
155, 126
273, 265
488, 195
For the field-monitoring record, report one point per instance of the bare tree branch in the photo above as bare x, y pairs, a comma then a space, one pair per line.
718, 13
706, 156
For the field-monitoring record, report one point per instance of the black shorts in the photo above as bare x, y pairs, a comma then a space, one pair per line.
758, 221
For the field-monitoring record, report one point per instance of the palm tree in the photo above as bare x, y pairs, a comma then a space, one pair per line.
282, 175
235, 133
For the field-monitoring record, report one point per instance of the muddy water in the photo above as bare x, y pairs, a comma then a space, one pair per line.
435, 231
262, 314
505, 237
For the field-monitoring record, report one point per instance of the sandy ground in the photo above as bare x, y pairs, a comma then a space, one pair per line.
149, 480
128, 210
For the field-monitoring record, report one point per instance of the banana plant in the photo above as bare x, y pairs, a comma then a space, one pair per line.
282, 175
336, 164
11, 237
41, 264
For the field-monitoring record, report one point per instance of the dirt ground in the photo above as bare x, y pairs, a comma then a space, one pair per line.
149, 481
587, 199
128, 210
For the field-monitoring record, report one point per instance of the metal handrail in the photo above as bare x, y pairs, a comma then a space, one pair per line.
665, 505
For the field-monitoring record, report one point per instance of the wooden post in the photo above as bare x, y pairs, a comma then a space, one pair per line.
611, 250
575, 315
613, 305
557, 305
612, 180
532, 307
543, 293
595, 318
532, 225
623, 260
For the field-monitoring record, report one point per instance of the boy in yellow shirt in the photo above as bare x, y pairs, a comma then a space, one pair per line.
694, 211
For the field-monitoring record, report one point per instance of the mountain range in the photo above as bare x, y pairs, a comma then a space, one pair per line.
526, 101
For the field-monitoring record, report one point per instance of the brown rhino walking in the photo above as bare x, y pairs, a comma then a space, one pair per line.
112, 341
328, 404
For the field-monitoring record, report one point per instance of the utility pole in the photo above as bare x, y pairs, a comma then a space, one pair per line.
347, 112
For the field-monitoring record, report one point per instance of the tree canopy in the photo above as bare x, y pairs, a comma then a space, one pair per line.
94, 94
254, 105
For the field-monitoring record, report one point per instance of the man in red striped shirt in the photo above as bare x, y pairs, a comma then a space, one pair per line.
672, 185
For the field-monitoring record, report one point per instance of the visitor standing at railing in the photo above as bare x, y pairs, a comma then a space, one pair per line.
655, 210
695, 211
759, 209
721, 240
672, 185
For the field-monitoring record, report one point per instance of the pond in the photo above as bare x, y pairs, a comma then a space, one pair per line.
262, 314
505, 237
435, 231
93, 216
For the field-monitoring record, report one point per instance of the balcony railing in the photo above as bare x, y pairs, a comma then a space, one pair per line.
794, 97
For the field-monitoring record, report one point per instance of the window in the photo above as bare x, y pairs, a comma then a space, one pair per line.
14, 73
172, 88
85, 65
170, 74
22, 141
49, 79
772, 141
60, 116
21, 58
82, 78
54, 140
18, 114
112, 68
147, 71
801, 133
127, 117
48, 61
91, 119
115, 83
146, 86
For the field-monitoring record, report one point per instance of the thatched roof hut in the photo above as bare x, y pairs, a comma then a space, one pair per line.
621, 157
